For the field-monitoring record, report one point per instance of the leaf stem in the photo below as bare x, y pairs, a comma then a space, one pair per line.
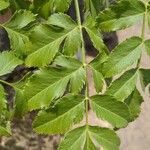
142, 36
6, 83
83, 57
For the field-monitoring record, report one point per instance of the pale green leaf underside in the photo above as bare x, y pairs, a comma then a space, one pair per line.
111, 110
90, 138
124, 85
124, 55
122, 15
8, 62
69, 110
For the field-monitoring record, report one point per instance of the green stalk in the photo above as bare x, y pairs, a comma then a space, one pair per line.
142, 35
83, 57
6, 83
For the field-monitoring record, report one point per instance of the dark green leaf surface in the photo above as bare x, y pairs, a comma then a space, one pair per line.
122, 15
48, 84
69, 110
134, 102
48, 38
95, 35
145, 74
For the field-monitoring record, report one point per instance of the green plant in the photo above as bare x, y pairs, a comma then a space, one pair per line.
46, 39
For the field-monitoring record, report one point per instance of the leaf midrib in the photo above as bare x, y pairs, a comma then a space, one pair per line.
109, 111
90, 134
125, 83
60, 38
108, 21
60, 116
54, 84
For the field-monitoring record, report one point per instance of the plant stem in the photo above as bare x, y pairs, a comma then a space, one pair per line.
83, 57
142, 36
143, 27
6, 83
107, 3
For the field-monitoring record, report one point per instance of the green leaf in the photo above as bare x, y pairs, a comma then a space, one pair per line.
5, 131
94, 6
15, 28
111, 110
2, 99
48, 39
78, 79
147, 46
145, 75
8, 62
134, 102
67, 62
4, 4
82, 137
123, 56
121, 15
95, 35
99, 80
46, 7
48, 84
148, 14
19, 4
21, 103
124, 85
58, 119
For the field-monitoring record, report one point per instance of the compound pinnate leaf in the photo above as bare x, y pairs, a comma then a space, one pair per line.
58, 120
134, 102
109, 109
115, 18
82, 137
124, 55
8, 62
124, 85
